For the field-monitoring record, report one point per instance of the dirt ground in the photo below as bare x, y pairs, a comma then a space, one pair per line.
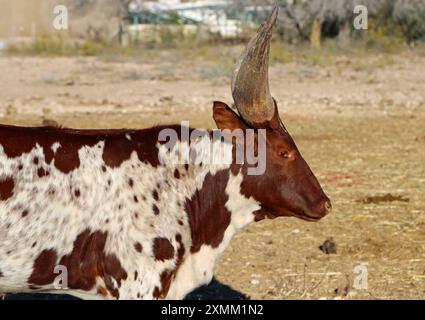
359, 122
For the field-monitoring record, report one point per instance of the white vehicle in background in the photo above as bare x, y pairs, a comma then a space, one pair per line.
147, 20
213, 15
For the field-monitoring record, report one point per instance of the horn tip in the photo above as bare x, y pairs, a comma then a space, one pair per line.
274, 14
271, 21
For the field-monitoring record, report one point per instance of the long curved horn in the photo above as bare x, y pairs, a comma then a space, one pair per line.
250, 83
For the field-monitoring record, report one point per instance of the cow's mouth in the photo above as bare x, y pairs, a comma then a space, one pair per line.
317, 214
307, 217
300, 214
285, 212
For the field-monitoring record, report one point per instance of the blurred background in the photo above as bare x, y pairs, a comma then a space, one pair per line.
165, 23
354, 100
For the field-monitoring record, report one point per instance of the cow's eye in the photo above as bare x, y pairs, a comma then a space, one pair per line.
284, 154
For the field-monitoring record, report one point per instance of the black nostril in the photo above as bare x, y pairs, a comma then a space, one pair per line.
328, 206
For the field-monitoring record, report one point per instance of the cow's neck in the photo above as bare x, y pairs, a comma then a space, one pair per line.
215, 207
216, 212
218, 209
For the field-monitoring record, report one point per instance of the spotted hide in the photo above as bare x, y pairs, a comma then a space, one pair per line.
100, 204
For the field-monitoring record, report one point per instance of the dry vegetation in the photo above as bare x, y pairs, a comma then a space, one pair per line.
358, 118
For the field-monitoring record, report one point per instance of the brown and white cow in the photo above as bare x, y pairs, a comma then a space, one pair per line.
100, 204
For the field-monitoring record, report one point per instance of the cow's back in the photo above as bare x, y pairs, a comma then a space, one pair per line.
88, 201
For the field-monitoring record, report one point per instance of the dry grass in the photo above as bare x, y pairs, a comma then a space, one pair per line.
364, 139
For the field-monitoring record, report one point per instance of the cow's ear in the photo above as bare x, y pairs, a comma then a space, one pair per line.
226, 118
